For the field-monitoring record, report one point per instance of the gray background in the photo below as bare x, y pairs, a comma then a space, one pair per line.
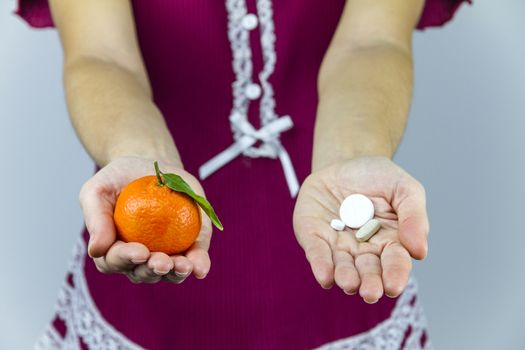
464, 141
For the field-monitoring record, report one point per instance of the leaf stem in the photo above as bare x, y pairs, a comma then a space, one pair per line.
157, 172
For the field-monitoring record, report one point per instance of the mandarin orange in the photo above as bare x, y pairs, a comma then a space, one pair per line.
154, 215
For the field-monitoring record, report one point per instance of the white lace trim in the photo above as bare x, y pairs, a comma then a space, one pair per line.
50, 339
389, 334
80, 315
244, 134
83, 321
243, 66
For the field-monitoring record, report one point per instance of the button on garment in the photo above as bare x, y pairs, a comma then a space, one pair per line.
253, 91
250, 21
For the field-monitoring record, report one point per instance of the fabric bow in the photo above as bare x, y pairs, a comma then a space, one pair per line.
267, 134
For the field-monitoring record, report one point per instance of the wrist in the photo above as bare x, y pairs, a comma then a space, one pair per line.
164, 155
345, 131
319, 163
336, 147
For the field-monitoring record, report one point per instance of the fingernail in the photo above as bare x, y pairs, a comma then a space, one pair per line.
201, 277
160, 273
89, 246
138, 261
181, 274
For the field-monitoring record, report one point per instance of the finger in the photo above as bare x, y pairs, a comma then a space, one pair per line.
319, 255
369, 268
412, 218
346, 275
141, 275
158, 265
198, 252
122, 257
97, 205
396, 264
131, 276
182, 268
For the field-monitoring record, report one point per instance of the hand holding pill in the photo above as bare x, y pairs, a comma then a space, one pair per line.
389, 213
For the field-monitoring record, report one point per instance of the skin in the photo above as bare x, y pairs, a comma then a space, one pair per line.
365, 91
365, 88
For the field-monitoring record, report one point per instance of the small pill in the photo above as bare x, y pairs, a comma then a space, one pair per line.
337, 225
356, 210
367, 230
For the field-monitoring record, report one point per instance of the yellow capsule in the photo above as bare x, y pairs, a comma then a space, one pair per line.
368, 230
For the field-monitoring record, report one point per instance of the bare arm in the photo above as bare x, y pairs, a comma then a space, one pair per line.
365, 81
365, 90
107, 88
111, 108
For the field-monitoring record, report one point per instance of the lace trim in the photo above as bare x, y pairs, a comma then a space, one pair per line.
244, 134
50, 339
265, 11
83, 321
390, 334
243, 68
242, 60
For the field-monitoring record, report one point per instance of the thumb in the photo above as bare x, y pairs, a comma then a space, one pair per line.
97, 205
410, 205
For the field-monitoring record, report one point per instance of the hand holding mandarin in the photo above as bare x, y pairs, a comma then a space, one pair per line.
151, 215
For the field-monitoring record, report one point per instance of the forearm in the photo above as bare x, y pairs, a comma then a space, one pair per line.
364, 101
113, 114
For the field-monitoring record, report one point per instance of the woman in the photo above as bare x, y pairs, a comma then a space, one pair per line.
321, 94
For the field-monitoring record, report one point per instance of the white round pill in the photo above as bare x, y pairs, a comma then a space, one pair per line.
356, 210
337, 225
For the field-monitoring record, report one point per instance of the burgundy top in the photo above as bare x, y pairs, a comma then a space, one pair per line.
436, 12
260, 292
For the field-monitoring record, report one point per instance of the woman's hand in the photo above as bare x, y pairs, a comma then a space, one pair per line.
97, 199
383, 263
